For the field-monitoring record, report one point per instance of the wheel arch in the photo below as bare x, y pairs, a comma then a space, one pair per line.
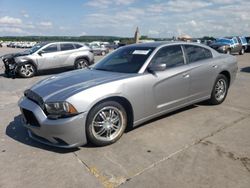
82, 57
227, 75
28, 61
122, 101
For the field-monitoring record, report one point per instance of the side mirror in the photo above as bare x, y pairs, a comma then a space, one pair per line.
40, 52
157, 67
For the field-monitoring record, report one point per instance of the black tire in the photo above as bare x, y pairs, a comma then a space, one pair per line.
26, 70
216, 96
81, 63
242, 51
228, 51
103, 53
104, 127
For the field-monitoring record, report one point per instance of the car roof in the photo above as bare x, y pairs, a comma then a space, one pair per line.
163, 43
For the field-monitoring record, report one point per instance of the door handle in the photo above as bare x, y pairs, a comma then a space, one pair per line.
215, 66
185, 75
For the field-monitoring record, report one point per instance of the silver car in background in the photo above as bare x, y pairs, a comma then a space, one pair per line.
131, 85
44, 56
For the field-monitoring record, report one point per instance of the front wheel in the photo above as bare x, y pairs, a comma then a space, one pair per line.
106, 123
220, 89
228, 51
26, 70
242, 51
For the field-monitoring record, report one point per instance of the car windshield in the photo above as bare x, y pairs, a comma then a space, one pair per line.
223, 41
35, 48
125, 60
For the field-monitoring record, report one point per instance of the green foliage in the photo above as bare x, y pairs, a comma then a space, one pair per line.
60, 38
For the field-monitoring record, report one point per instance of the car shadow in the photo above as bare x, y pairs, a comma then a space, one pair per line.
245, 69
18, 132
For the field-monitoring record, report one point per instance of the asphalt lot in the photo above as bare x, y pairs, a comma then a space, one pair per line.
199, 146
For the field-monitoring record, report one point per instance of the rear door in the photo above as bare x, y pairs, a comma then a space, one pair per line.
65, 57
202, 71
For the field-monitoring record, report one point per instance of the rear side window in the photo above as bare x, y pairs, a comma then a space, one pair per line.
67, 47
50, 48
172, 56
197, 53
78, 46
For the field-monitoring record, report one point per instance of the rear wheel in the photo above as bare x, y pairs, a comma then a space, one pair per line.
220, 89
106, 123
26, 70
81, 63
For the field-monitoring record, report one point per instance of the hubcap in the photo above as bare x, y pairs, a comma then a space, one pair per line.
220, 89
107, 123
27, 70
81, 64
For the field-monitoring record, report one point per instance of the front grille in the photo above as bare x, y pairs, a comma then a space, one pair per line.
34, 97
30, 118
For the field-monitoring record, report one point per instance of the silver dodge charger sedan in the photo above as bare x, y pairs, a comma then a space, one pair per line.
131, 85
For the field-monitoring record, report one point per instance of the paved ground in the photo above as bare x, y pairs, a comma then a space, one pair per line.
199, 146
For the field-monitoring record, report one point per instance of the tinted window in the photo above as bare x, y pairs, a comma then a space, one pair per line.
197, 53
125, 60
172, 56
50, 48
67, 47
78, 45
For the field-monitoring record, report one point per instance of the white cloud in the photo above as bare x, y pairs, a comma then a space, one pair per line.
7, 20
153, 32
47, 24
13, 30
102, 4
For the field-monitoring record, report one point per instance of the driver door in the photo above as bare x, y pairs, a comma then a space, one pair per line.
168, 88
47, 58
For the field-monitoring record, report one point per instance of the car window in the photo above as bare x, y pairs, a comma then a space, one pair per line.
78, 45
67, 46
125, 60
235, 40
50, 48
172, 56
197, 53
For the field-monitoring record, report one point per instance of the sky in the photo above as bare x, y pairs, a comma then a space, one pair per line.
155, 18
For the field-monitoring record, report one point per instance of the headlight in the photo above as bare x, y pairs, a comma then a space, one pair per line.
60, 109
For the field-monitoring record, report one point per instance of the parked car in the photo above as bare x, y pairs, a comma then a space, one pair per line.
133, 84
228, 45
47, 56
99, 50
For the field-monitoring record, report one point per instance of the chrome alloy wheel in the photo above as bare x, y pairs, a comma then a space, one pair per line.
107, 123
220, 89
81, 64
27, 70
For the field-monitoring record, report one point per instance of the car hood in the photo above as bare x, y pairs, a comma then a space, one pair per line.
13, 55
219, 44
64, 85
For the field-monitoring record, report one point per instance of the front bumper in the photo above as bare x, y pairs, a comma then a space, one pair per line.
64, 133
10, 66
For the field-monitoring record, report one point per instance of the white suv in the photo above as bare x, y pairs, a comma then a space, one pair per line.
44, 56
